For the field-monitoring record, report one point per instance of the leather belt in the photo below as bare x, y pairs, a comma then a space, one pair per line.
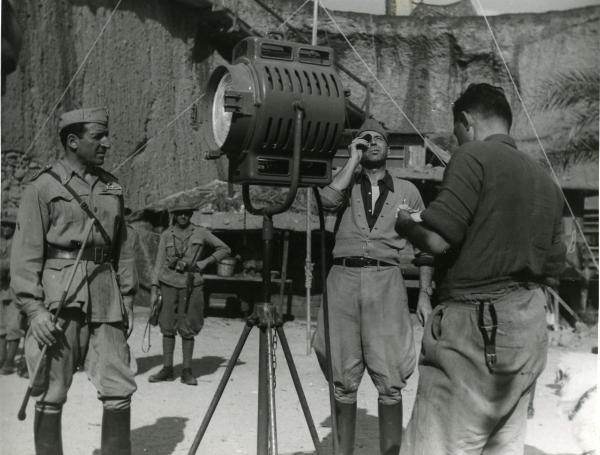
97, 254
359, 261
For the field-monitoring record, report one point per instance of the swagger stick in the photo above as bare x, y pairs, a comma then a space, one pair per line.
63, 298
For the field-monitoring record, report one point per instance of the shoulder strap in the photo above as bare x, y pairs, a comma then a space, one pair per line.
84, 206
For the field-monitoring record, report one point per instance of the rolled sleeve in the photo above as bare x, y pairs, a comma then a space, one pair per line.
27, 254
221, 249
450, 214
331, 198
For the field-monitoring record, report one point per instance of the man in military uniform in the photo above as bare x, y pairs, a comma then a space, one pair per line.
92, 328
177, 278
10, 317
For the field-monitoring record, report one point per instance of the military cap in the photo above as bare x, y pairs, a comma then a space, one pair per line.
88, 115
370, 124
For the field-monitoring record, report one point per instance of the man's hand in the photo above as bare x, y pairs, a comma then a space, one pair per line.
201, 265
42, 328
356, 148
403, 219
423, 307
154, 295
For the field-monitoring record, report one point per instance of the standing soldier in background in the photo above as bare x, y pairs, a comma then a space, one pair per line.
177, 281
98, 314
10, 317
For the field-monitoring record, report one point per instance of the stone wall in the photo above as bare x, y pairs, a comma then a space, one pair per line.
155, 56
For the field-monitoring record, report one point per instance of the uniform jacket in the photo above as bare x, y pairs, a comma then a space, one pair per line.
353, 236
182, 244
50, 216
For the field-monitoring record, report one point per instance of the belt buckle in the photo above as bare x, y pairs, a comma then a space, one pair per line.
99, 254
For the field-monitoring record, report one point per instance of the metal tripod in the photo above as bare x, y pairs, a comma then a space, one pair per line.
268, 320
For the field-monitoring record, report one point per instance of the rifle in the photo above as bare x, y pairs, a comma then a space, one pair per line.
63, 298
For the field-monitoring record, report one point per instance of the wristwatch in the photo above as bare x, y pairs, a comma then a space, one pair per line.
428, 290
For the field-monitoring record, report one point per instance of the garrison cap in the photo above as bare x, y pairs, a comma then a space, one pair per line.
88, 115
370, 124
183, 206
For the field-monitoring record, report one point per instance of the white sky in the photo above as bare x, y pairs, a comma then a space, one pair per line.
489, 6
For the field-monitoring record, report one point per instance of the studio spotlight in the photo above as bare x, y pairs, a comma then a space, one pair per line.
253, 104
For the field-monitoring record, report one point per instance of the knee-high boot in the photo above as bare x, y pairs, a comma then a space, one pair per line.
390, 428
116, 432
187, 346
346, 427
47, 429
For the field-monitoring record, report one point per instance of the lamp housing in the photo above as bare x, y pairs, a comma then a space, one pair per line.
252, 106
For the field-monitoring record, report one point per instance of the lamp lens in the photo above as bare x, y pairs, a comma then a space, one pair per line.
221, 120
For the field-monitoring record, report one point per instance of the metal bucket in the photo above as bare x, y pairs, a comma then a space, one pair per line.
226, 267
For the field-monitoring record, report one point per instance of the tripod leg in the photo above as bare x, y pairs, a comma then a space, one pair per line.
296, 379
219, 392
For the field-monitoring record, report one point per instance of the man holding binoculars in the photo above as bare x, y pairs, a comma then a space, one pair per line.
177, 288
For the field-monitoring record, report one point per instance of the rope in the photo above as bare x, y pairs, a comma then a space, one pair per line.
293, 14
60, 98
532, 124
143, 146
385, 90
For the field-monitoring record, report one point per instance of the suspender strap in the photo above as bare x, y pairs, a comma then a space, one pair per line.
489, 333
84, 206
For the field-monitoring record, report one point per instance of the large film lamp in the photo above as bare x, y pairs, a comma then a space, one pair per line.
253, 104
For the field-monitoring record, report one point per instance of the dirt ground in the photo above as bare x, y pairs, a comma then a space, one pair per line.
166, 416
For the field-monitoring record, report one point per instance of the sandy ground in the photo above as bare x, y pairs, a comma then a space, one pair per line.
166, 416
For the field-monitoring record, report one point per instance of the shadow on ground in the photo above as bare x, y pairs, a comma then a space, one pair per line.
529, 450
161, 438
367, 436
200, 367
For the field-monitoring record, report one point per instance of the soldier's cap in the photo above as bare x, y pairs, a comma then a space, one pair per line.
183, 207
8, 217
370, 124
87, 115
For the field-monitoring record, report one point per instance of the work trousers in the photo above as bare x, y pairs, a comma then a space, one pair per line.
467, 404
101, 348
370, 328
177, 315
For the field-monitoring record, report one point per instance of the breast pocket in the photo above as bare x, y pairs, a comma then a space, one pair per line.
64, 209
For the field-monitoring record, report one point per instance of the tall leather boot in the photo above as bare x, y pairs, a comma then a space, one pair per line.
390, 428
9, 366
346, 426
116, 432
47, 429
